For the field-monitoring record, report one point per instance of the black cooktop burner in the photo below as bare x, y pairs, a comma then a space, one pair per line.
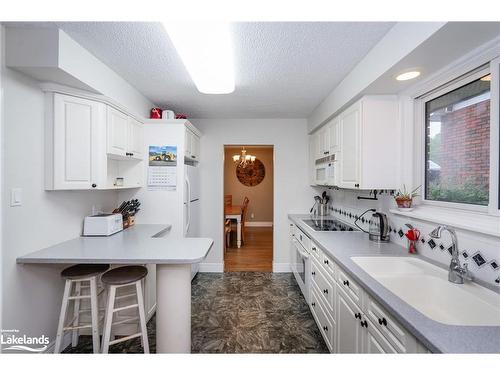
329, 225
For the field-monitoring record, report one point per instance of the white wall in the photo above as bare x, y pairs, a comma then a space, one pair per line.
31, 294
292, 193
403, 38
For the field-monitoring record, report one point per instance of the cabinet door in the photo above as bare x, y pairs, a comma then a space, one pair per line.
77, 124
118, 132
187, 143
349, 334
195, 147
135, 139
374, 342
350, 128
324, 140
312, 160
318, 146
333, 138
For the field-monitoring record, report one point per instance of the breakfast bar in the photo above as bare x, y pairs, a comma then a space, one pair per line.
143, 244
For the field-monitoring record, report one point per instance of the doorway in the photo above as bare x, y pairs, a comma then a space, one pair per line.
248, 208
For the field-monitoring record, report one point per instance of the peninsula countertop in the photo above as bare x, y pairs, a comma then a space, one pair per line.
437, 337
140, 244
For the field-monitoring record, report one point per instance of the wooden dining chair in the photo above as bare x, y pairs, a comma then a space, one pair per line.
228, 200
244, 209
227, 233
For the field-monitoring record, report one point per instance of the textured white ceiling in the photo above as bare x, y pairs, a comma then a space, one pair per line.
282, 69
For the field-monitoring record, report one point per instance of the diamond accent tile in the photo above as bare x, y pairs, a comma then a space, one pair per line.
431, 243
465, 255
422, 240
450, 250
400, 232
441, 246
497, 280
478, 259
494, 264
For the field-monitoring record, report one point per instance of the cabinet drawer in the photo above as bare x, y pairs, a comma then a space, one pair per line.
325, 326
328, 265
376, 343
398, 337
303, 239
315, 251
324, 288
352, 289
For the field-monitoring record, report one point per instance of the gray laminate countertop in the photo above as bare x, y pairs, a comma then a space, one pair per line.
140, 244
437, 337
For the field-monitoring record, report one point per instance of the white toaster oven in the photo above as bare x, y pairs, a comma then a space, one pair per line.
102, 224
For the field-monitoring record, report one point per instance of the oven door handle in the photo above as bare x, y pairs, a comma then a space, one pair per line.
303, 253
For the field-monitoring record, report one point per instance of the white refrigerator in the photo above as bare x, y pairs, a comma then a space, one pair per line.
191, 208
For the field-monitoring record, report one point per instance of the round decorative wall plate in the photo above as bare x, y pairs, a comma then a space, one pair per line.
251, 174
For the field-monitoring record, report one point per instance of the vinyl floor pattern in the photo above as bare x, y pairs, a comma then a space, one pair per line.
241, 312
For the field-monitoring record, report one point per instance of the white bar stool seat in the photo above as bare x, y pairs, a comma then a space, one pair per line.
113, 280
76, 275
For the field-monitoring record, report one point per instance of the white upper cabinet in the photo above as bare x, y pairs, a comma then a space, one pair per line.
333, 136
191, 145
361, 138
135, 139
118, 127
90, 145
125, 136
369, 156
350, 141
74, 131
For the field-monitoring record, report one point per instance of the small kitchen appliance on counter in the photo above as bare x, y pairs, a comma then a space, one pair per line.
378, 230
102, 224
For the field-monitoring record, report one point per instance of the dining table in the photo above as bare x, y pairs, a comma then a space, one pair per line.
235, 212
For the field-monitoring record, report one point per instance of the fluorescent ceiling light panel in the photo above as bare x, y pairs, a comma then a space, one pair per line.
206, 50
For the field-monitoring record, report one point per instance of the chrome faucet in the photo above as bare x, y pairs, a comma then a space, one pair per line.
456, 273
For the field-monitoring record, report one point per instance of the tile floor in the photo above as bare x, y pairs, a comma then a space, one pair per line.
241, 312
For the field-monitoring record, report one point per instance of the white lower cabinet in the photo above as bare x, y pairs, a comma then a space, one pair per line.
323, 320
349, 319
349, 335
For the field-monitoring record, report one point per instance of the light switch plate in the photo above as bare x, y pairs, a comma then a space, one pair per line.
16, 197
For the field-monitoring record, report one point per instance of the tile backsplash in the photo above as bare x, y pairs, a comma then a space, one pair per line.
481, 252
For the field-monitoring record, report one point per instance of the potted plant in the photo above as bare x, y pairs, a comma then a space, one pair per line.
404, 199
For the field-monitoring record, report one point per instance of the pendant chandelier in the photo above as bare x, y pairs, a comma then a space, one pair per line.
243, 159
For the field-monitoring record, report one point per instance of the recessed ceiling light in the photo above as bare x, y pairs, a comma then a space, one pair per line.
206, 51
408, 75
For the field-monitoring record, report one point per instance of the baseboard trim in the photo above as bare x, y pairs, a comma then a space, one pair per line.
211, 267
281, 267
151, 312
259, 224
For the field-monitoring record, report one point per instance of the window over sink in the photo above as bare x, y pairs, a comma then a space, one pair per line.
457, 144
457, 126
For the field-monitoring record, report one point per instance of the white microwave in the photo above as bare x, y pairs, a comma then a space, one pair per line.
325, 172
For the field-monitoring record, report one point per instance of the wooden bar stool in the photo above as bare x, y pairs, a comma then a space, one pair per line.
76, 275
119, 278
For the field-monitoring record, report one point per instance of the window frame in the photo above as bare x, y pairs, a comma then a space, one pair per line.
420, 132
